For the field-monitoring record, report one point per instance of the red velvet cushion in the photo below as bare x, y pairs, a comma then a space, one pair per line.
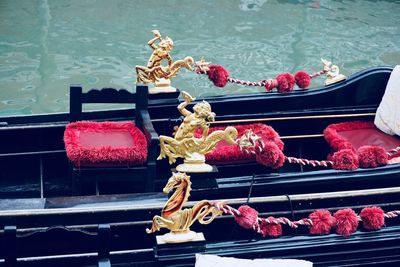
225, 153
105, 144
353, 135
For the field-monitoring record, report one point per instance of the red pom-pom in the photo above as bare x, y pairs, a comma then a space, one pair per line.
303, 79
373, 218
270, 229
323, 221
372, 156
271, 156
285, 82
346, 222
247, 218
271, 84
218, 75
345, 159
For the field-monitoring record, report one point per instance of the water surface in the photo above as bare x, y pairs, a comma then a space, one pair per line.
46, 45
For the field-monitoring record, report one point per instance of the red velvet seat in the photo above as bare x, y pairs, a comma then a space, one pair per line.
226, 154
364, 139
105, 144
111, 151
353, 135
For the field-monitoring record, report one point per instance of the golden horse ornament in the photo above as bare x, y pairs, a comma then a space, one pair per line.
185, 145
179, 220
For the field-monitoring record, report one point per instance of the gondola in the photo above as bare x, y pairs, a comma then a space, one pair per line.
300, 117
127, 243
36, 197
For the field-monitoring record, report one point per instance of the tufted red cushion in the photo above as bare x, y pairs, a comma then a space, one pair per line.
367, 143
355, 134
105, 144
225, 153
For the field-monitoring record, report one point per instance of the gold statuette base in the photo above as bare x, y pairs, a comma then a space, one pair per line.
180, 237
162, 86
194, 167
195, 162
336, 79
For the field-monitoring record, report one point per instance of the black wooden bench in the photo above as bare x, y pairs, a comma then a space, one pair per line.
60, 245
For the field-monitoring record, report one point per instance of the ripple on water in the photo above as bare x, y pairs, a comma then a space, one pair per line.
86, 39
92, 79
19, 101
63, 101
90, 43
28, 88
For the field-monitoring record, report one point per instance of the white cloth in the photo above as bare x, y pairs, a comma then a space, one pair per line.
203, 260
387, 118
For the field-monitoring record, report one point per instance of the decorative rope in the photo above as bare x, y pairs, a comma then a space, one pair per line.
284, 82
270, 83
247, 83
251, 143
313, 163
392, 214
345, 221
319, 73
393, 151
270, 155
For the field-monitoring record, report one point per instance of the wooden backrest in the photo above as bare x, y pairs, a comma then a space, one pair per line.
57, 241
104, 96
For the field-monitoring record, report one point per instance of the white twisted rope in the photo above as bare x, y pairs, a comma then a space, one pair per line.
392, 214
314, 163
393, 151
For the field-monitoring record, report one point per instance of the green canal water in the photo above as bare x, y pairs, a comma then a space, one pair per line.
46, 45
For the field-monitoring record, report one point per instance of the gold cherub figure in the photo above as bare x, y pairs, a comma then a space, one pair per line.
186, 145
179, 220
156, 73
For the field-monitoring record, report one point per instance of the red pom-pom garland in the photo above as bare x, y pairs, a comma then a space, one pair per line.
271, 156
270, 84
345, 159
322, 222
247, 218
303, 79
372, 156
218, 75
285, 82
346, 222
270, 229
373, 218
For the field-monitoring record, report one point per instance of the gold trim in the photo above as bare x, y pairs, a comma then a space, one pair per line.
294, 118
302, 136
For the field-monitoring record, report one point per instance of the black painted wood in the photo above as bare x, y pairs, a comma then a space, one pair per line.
135, 247
55, 241
136, 174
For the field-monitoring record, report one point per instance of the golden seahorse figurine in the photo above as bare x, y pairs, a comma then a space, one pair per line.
333, 74
156, 73
179, 220
185, 145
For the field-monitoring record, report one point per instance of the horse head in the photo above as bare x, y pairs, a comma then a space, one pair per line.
175, 181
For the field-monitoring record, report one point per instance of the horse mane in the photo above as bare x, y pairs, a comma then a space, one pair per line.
178, 198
